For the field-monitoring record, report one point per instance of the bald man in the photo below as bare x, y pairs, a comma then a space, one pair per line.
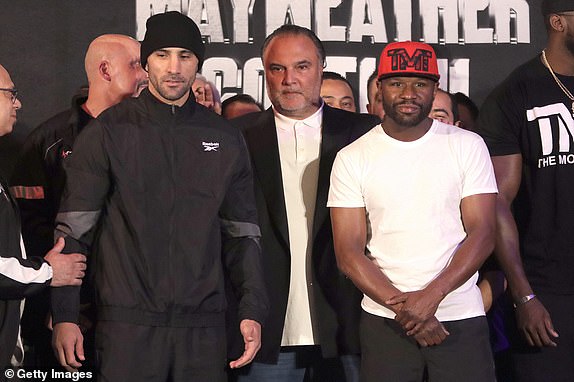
8, 109
21, 276
114, 72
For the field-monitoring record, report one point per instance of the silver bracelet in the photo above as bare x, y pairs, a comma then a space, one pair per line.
524, 300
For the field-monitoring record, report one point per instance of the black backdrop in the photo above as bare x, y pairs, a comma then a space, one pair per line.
43, 42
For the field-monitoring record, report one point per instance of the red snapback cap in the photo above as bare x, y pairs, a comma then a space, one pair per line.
408, 59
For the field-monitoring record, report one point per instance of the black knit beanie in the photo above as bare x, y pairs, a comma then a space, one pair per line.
171, 29
557, 6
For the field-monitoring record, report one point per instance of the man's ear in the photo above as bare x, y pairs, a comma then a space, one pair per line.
556, 23
104, 70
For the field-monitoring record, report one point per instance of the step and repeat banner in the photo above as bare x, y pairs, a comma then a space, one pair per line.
479, 42
473, 38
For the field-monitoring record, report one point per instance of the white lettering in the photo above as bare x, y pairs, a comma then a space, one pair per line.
552, 161
367, 19
35, 374
545, 129
512, 21
208, 18
566, 159
254, 81
323, 28
341, 65
546, 162
472, 34
440, 21
441, 14
147, 8
242, 11
71, 375
231, 79
404, 19
280, 12
459, 75
563, 137
224, 68
565, 125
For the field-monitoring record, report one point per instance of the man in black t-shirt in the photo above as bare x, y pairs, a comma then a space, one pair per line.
528, 124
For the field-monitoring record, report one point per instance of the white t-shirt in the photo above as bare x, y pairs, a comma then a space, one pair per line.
412, 193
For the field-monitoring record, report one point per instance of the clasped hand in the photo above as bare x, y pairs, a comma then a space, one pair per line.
415, 312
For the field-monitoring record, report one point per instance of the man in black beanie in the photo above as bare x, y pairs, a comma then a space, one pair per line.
167, 186
528, 122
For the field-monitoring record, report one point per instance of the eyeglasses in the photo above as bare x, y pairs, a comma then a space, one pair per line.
13, 93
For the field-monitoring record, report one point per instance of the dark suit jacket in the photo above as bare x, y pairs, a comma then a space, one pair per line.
335, 302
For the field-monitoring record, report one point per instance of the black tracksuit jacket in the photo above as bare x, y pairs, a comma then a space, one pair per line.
167, 192
19, 277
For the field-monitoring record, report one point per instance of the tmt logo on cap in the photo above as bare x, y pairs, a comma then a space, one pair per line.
408, 59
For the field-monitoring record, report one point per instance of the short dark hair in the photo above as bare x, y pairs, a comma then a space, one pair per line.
453, 105
455, 113
463, 99
327, 75
290, 29
373, 77
240, 98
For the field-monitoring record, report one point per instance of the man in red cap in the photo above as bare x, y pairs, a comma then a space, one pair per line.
527, 123
419, 195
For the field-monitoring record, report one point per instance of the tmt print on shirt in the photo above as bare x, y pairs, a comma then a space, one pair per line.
556, 150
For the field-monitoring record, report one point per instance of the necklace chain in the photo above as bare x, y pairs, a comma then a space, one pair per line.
557, 80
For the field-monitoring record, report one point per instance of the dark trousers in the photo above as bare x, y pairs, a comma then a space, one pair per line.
388, 354
138, 353
556, 364
295, 364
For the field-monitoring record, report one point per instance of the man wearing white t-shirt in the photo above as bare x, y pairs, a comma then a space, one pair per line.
418, 196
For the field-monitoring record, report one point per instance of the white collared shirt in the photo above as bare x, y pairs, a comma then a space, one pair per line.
299, 150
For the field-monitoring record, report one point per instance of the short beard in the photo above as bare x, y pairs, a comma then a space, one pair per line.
156, 84
173, 97
407, 121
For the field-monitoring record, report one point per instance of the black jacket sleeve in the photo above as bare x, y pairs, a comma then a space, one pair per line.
241, 234
87, 185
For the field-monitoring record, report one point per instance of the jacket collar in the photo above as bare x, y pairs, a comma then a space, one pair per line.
168, 109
